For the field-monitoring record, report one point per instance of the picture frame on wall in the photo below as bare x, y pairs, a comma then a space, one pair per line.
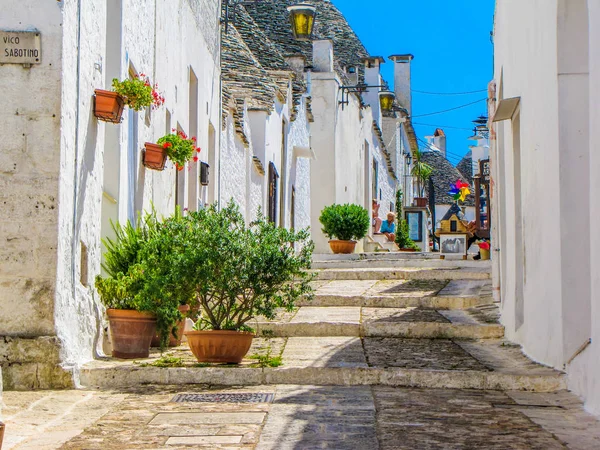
454, 244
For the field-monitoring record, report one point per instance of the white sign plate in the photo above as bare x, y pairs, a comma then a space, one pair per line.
20, 47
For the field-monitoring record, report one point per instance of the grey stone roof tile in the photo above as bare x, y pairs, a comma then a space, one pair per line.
444, 174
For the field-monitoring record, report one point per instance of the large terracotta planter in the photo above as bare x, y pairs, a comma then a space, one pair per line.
174, 341
342, 246
421, 202
407, 250
155, 156
219, 346
108, 106
131, 333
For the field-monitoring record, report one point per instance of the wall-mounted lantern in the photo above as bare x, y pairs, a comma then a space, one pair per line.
302, 17
386, 100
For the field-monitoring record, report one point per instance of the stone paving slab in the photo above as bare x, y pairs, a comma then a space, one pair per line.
46, 419
306, 417
324, 352
343, 361
391, 322
405, 273
309, 416
445, 419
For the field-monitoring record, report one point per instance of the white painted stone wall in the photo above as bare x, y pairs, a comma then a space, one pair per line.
241, 179
63, 159
545, 274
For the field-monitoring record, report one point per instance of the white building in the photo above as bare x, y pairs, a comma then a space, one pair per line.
356, 148
65, 175
545, 183
265, 143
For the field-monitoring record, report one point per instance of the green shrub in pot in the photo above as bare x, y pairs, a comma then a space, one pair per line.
345, 222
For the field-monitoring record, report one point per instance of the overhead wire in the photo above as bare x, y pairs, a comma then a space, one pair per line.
450, 109
449, 93
442, 126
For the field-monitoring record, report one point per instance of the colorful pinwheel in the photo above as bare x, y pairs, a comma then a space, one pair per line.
459, 191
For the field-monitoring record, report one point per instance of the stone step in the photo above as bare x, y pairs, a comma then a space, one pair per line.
435, 294
404, 273
316, 321
409, 258
391, 263
484, 365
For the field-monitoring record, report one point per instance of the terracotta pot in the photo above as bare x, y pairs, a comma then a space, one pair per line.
407, 250
154, 156
108, 106
342, 246
1, 434
219, 346
174, 341
131, 333
421, 202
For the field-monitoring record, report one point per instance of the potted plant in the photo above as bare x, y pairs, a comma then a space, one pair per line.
136, 92
403, 240
238, 272
484, 249
176, 335
138, 304
344, 225
176, 146
421, 171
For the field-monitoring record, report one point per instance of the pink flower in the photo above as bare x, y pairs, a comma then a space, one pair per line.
198, 150
196, 159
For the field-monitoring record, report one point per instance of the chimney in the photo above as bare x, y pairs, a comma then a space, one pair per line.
373, 78
439, 140
323, 56
402, 80
352, 73
297, 62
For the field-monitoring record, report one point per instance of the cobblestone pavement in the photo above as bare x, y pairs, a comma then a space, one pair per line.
299, 417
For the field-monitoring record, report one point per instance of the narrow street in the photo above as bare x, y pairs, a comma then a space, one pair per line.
392, 353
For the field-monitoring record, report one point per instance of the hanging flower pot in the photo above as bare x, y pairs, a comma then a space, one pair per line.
179, 148
154, 156
108, 106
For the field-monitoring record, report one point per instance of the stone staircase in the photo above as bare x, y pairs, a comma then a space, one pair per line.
373, 321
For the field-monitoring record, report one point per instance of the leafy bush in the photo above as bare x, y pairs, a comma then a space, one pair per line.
135, 262
179, 148
403, 239
138, 93
238, 272
345, 222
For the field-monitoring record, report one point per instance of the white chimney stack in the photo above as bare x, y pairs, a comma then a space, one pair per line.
373, 78
402, 90
323, 56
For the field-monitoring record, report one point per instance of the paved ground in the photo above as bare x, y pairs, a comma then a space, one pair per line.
299, 417
411, 356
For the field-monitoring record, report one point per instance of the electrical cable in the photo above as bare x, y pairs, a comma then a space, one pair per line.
442, 126
449, 93
451, 109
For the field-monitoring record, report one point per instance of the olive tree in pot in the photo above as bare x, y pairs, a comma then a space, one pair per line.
344, 225
137, 303
238, 272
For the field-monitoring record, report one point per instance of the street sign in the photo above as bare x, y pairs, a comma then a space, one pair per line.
20, 47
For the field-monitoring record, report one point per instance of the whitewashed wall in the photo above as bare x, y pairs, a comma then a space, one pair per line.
345, 147
240, 178
545, 172
85, 44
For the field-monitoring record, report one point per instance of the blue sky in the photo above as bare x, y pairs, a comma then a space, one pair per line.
453, 53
